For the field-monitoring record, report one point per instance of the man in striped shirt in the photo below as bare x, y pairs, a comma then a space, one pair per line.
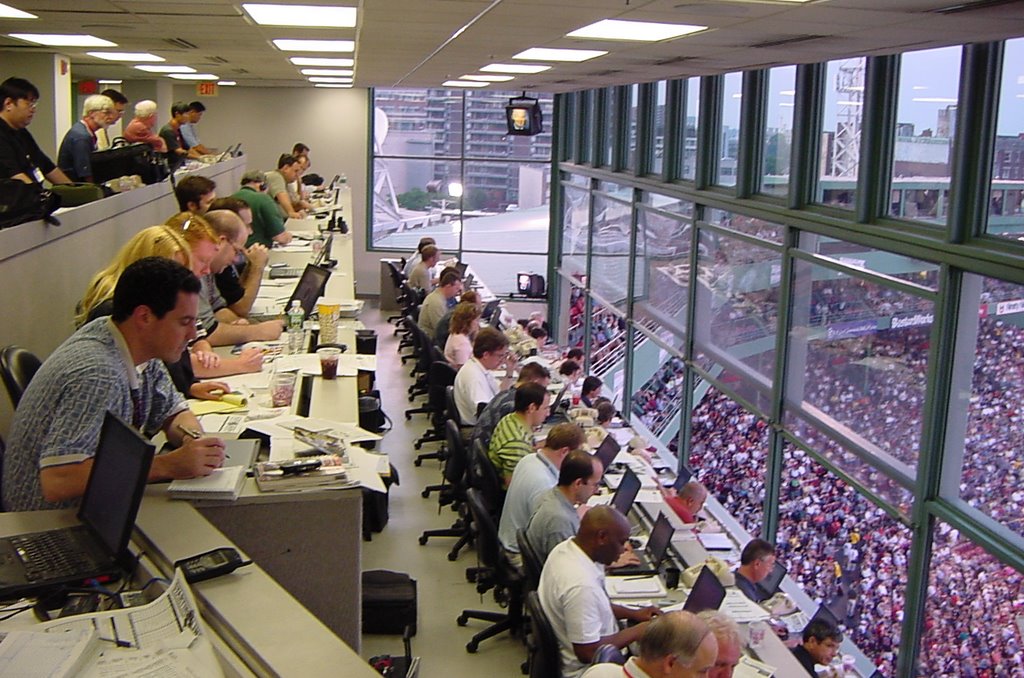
513, 436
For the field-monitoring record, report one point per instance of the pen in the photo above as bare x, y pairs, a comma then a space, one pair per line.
189, 432
643, 576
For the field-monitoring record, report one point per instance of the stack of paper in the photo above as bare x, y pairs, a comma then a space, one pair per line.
634, 587
224, 483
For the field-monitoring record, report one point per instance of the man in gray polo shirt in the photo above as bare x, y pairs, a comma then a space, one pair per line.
556, 518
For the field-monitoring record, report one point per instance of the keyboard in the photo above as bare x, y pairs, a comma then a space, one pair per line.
285, 272
52, 555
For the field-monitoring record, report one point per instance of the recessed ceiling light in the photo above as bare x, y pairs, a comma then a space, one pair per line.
330, 86
126, 56
194, 76
315, 45
463, 83
8, 12
166, 69
515, 68
343, 62
109, 82
488, 78
227, 83
788, 93
553, 54
311, 16
326, 71
55, 40
334, 80
639, 31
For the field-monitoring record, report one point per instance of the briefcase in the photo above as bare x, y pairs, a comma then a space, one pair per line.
123, 159
389, 602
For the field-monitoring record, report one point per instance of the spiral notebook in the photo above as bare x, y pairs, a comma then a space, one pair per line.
224, 483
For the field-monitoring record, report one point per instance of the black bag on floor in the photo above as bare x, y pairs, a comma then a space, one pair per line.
389, 602
375, 506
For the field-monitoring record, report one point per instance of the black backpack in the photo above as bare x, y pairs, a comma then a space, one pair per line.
21, 202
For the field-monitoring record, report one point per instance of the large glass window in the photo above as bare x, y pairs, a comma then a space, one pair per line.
632, 120
609, 272
662, 274
925, 127
778, 130
729, 137
840, 139
658, 137
575, 229
690, 124
444, 166
607, 350
658, 379
1006, 199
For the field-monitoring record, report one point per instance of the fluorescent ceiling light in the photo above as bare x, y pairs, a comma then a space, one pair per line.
194, 76
311, 16
638, 31
335, 80
488, 78
788, 104
849, 103
788, 93
918, 88
126, 56
109, 82
331, 86
463, 83
166, 69
934, 100
55, 40
315, 45
737, 95
552, 54
227, 83
326, 71
8, 12
514, 68
323, 61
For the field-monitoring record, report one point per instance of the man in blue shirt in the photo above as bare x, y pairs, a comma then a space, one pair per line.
75, 154
188, 130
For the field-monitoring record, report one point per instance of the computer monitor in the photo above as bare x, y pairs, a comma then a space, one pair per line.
770, 584
607, 451
626, 492
707, 593
683, 477
310, 288
826, 615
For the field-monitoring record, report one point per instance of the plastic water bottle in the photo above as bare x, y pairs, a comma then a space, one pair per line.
295, 334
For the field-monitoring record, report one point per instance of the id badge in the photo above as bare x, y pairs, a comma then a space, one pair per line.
37, 174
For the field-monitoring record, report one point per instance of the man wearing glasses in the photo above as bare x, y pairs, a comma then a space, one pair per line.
556, 517
75, 154
20, 156
756, 563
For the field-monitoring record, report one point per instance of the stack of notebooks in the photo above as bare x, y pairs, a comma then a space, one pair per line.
224, 483
331, 474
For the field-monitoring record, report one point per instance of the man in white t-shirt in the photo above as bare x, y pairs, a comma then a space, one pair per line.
474, 383
572, 591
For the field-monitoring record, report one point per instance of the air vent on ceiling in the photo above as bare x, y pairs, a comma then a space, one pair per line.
673, 61
796, 39
216, 59
240, 71
181, 43
971, 6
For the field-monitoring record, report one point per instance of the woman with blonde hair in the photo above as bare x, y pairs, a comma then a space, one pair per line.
458, 349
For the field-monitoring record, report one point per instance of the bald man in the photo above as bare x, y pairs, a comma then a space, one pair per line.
674, 645
572, 591
730, 643
688, 501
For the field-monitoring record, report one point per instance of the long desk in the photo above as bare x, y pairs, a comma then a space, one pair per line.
262, 628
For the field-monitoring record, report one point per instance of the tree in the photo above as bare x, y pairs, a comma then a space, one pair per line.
415, 199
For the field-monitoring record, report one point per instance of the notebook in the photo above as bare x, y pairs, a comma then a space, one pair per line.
654, 553
35, 563
224, 483
707, 593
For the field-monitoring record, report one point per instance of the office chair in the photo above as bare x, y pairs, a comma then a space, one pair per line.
532, 563
608, 654
453, 491
452, 410
545, 658
500, 574
409, 338
397, 278
439, 379
17, 367
484, 478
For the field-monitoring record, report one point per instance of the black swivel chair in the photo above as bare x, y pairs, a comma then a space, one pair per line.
500, 574
532, 563
397, 278
453, 491
545, 657
484, 478
17, 367
439, 379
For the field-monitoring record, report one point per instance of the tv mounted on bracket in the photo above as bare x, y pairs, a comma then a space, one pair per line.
524, 117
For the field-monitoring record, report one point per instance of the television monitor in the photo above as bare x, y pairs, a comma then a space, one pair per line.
523, 117
530, 285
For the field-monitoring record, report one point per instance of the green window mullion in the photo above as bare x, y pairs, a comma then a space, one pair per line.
751, 143
874, 174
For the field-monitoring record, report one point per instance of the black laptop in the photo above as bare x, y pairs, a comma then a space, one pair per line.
489, 309
35, 563
707, 593
654, 553
607, 451
310, 288
770, 584
625, 493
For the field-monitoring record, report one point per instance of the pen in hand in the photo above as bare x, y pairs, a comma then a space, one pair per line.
196, 435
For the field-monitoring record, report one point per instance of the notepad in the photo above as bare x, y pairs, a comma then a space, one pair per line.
715, 541
742, 609
634, 587
224, 483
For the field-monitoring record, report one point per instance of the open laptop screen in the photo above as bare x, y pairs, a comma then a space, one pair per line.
626, 493
116, 483
771, 583
661, 537
310, 288
607, 451
707, 594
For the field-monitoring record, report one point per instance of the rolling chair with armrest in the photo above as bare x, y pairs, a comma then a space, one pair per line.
500, 574
409, 338
17, 367
484, 478
532, 564
453, 491
439, 380
545, 659
397, 278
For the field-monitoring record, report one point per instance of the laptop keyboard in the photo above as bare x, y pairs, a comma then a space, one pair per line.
285, 272
51, 555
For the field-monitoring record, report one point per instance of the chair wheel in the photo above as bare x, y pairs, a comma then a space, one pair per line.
425, 494
408, 417
417, 462
423, 539
471, 647
453, 556
417, 445
461, 621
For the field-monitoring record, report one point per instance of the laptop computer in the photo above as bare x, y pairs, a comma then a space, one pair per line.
490, 309
38, 562
770, 584
461, 268
607, 451
625, 493
707, 593
654, 553
683, 476
310, 288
